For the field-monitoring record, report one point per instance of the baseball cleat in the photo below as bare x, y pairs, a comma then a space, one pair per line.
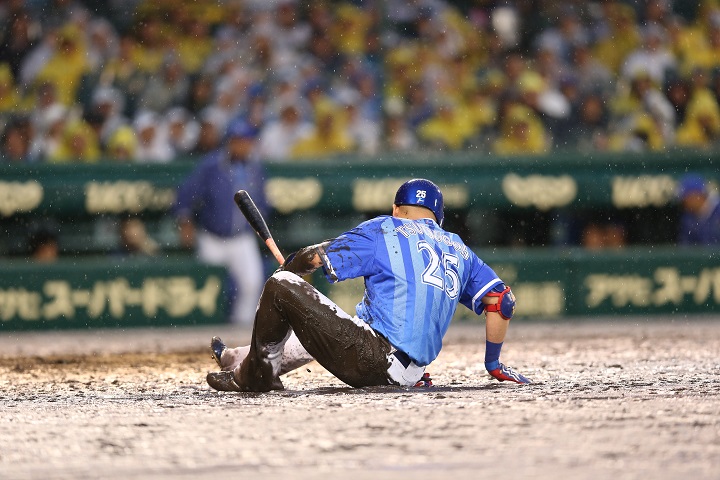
217, 347
504, 373
222, 381
425, 381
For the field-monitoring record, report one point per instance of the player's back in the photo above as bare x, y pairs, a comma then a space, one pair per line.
421, 273
415, 275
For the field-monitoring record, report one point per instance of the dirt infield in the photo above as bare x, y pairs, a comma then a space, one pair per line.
617, 400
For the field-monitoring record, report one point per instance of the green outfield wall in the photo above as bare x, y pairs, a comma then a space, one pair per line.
91, 293
107, 293
345, 184
316, 200
642, 281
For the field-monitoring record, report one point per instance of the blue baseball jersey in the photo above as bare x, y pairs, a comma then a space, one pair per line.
415, 274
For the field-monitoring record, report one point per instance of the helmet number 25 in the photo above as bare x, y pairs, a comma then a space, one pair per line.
440, 272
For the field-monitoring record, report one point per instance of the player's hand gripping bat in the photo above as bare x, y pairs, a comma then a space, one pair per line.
257, 222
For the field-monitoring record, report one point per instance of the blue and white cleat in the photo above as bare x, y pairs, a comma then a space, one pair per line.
217, 347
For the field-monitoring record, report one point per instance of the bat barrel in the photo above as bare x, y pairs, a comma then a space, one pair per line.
257, 222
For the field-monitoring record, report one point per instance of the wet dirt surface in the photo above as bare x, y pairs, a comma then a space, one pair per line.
626, 399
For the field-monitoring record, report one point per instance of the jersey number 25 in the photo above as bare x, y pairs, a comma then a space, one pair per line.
440, 272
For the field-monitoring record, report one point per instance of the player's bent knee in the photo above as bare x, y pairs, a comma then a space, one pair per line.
505, 305
285, 276
283, 281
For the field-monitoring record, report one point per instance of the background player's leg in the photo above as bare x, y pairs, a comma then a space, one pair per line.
209, 248
245, 265
240, 255
348, 348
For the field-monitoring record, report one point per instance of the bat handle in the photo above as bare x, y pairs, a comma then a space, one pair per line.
272, 246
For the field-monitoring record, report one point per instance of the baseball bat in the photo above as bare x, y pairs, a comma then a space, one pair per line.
257, 222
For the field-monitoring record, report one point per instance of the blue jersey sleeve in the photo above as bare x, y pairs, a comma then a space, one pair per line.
191, 192
352, 254
482, 279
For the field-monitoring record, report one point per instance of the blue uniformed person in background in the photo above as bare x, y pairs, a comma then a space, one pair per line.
209, 220
700, 220
415, 275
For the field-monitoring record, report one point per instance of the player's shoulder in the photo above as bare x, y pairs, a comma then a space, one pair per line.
455, 241
378, 224
372, 228
441, 234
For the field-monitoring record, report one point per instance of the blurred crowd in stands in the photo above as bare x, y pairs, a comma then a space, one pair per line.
154, 81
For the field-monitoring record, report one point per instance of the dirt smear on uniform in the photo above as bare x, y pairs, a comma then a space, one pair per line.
626, 399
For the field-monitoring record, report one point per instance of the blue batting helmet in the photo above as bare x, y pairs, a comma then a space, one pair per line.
422, 193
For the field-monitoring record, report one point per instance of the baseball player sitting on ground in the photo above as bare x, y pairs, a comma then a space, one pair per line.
415, 274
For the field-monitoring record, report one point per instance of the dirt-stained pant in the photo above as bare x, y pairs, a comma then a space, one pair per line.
346, 346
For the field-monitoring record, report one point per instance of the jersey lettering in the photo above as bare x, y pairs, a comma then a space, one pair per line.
410, 229
440, 273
